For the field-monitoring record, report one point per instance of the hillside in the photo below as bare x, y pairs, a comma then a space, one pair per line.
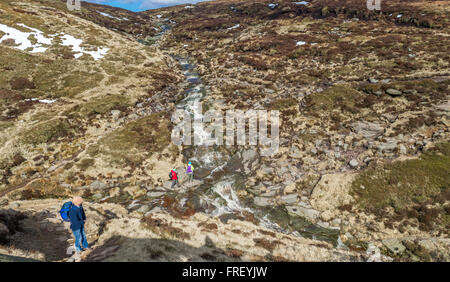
362, 172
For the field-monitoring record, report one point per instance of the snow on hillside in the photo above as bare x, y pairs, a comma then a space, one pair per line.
22, 41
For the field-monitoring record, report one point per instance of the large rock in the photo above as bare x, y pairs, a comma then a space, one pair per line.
308, 213
289, 199
155, 194
332, 191
389, 146
353, 163
262, 201
370, 130
394, 245
98, 185
394, 92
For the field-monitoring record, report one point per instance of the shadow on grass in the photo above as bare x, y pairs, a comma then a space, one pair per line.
120, 248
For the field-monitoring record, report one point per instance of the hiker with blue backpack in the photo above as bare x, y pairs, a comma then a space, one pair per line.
74, 212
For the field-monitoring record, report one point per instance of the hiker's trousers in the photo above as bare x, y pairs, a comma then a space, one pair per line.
80, 239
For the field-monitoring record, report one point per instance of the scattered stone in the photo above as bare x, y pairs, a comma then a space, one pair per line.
393, 92
353, 163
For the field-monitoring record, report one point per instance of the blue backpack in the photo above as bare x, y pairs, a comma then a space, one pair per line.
64, 211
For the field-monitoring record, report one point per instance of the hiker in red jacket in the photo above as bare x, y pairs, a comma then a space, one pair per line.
174, 177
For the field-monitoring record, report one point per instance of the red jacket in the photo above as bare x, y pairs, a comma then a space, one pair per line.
174, 175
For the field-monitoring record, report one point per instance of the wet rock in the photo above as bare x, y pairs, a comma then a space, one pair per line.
308, 213
394, 245
393, 92
201, 173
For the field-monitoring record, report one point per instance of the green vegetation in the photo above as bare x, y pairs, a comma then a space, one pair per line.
335, 97
85, 163
103, 105
142, 137
281, 104
46, 131
407, 186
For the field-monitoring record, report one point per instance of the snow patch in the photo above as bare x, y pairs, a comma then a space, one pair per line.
69, 40
45, 101
22, 40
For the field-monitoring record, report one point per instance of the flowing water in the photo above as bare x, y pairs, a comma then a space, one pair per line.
217, 191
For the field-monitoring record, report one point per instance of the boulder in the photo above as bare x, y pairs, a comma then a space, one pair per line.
394, 245
308, 213
370, 130
394, 92
98, 185
262, 201
155, 194
332, 191
289, 199
353, 163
